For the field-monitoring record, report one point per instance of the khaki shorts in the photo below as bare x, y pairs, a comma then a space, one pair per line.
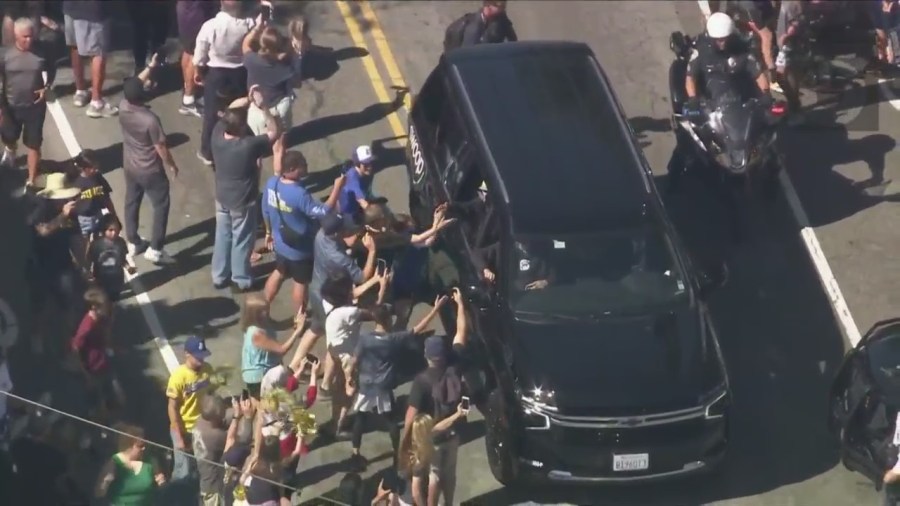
91, 38
282, 112
212, 499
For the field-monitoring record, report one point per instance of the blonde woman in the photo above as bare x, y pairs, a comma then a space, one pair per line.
273, 64
261, 350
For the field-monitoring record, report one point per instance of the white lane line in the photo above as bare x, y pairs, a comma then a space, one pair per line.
143, 299
885, 85
814, 248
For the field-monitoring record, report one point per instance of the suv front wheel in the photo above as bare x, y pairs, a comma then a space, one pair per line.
498, 443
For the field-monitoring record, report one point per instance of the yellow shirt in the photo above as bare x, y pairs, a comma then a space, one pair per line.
187, 386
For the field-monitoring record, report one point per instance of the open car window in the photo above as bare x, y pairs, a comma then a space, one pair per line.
884, 365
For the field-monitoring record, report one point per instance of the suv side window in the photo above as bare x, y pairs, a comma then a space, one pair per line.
450, 145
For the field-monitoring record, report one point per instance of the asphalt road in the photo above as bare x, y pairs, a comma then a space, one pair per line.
779, 336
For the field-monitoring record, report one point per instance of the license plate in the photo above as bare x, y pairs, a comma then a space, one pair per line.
631, 462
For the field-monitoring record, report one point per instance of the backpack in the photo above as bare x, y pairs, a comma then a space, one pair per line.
453, 37
447, 393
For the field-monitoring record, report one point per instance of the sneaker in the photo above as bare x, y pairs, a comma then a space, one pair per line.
774, 86
102, 110
81, 98
9, 158
158, 256
358, 463
206, 161
190, 110
137, 249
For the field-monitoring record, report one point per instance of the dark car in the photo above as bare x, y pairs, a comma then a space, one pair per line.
599, 357
865, 400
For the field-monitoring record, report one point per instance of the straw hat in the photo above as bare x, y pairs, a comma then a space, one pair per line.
57, 187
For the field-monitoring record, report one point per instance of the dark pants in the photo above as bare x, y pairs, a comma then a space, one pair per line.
218, 83
387, 420
149, 29
156, 186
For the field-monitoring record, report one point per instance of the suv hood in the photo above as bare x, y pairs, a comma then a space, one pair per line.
619, 366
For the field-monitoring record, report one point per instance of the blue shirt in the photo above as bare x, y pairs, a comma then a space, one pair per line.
356, 187
256, 361
331, 258
375, 357
299, 209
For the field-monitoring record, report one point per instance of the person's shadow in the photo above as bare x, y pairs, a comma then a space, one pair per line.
320, 63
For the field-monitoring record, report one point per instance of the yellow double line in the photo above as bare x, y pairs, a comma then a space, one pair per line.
349, 11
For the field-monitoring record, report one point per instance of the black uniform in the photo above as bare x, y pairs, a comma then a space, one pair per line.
723, 72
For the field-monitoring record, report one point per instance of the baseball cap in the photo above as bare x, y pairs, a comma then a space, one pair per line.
196, 347
133, 90
435, 348
338, 223
363, 155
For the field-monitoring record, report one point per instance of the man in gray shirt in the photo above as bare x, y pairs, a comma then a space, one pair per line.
27, 74
235, 153
210, 436
145, 158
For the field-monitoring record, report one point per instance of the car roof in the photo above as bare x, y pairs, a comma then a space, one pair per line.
552, 128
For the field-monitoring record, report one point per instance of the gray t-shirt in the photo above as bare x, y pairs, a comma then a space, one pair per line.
790, 11
237, 175
22, 74
209, 444
330, 257
141, 132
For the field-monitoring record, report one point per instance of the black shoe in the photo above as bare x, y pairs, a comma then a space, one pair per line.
238, 290
220, 286
358, 463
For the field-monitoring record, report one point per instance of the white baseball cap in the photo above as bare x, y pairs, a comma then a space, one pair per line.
363, 154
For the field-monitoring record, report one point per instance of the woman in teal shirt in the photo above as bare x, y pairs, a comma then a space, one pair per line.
129, 479
261, 350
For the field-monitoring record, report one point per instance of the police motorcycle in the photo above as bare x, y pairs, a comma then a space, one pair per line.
864, 402
735, 140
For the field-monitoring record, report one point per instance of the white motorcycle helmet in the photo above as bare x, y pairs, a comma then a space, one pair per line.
719, 25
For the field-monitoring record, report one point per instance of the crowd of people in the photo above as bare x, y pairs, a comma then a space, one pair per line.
352, 262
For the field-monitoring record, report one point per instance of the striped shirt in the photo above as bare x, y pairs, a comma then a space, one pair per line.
219, 41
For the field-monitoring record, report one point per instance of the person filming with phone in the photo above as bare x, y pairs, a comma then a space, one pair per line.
438, 391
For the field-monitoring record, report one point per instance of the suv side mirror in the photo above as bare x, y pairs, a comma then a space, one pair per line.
678, 43
478, 295
713, 279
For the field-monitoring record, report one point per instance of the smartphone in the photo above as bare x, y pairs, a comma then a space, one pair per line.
465, 403
265, 13
312, 359
382, 265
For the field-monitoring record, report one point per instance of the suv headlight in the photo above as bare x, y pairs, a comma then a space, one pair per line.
535, 403
717, 403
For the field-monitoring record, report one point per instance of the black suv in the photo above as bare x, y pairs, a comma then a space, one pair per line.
600, 360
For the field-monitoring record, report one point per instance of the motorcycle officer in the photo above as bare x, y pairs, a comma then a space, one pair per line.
721, 61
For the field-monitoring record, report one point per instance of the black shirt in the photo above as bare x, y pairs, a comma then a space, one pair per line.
52, 252
495, 30
732, 70
420, 395
95, 192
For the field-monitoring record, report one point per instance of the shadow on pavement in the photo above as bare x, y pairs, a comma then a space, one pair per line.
319, 128
781, 346
320, 63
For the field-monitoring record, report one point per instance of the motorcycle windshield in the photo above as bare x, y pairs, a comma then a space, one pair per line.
735, 128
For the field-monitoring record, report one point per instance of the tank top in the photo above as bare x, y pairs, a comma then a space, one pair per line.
130, 489
256, 361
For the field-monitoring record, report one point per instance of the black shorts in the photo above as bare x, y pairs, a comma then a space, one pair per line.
26, 122
298, 270
253, 389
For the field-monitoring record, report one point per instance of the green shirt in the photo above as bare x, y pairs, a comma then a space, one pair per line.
130, 489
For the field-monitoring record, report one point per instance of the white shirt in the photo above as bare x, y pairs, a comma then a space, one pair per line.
342, 328
274, 377
6, 385
219, 41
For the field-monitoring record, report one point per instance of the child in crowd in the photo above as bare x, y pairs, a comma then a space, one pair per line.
108, 258
91, 344
261, 350
94, 200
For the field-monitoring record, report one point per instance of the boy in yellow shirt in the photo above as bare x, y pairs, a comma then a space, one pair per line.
187, 385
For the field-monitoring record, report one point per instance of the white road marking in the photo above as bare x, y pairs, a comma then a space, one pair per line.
143, 299
814, 248
889, 93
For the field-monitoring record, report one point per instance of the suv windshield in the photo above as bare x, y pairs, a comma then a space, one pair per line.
615, 272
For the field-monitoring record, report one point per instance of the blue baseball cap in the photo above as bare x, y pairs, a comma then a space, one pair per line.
435, 349
196, 347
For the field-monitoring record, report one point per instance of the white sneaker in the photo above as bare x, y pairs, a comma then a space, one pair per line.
9, 158
137, 249
102, 110
774, 86
81, 98
158, 256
